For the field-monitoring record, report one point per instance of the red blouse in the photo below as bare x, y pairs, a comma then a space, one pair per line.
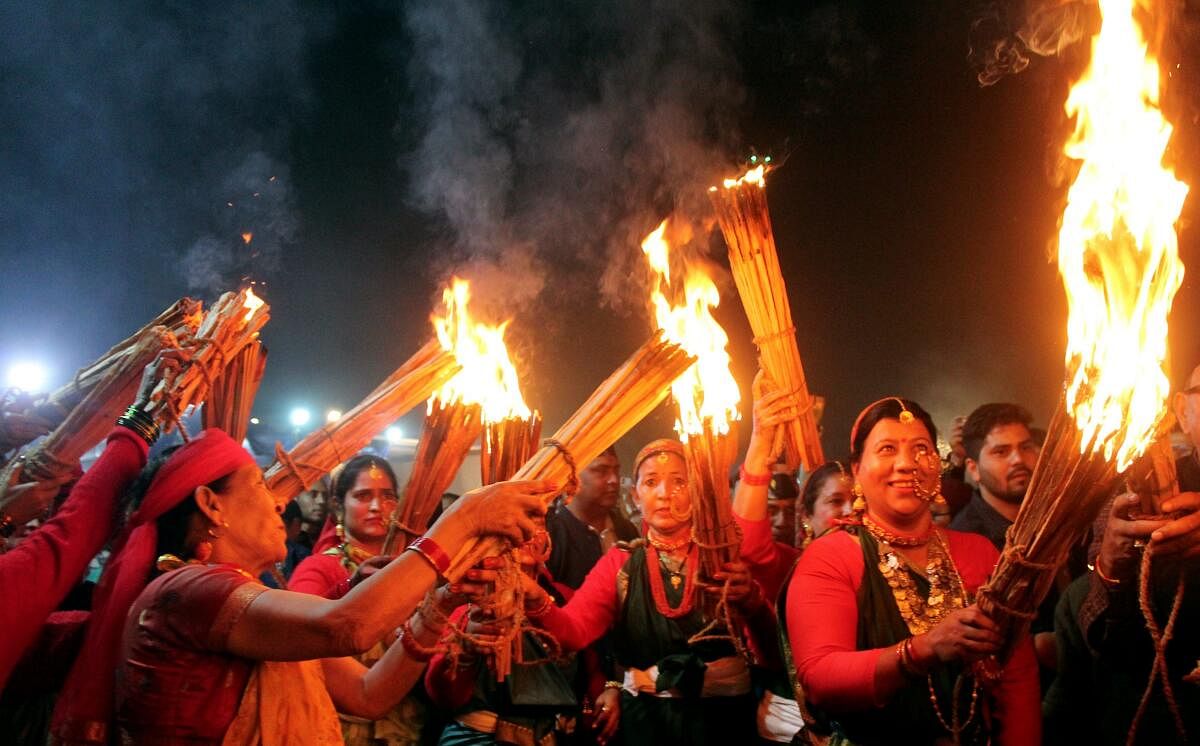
769, 561
822, 615
593, 609
321, 575
38, 573
176, 681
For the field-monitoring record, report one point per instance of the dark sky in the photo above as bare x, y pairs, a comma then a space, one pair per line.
530, 145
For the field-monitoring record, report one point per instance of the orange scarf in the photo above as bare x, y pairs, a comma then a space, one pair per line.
285, 702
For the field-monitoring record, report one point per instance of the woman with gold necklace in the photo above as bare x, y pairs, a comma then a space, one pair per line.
879, 615
674, 687
362, 501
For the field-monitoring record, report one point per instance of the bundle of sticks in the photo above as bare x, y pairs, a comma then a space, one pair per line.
709, 457
231, 399
27, 418
619, 403
314, 456
506, 445
1072, 481
741, 207
449, 431
230, 324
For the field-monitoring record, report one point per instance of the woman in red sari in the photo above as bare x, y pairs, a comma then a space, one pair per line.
879, 615
206, 654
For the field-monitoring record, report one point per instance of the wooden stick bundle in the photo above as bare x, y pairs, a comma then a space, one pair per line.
1070, 484
506, 445
449, 431
93, 417
741, 209
709, 457
296, 470
230, 324
231, 399
619, 403
176, 325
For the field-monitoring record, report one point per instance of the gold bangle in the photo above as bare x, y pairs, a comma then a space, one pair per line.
614, 685
1104, 578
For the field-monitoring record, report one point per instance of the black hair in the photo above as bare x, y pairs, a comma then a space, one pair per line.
355, 466
980, 422
782, 487
885, 409
815, 481
292, 513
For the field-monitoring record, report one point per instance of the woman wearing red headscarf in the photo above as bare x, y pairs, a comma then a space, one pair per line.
206, 654
673, 689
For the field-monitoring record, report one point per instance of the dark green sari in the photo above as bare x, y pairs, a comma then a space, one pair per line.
908, 717
644, 637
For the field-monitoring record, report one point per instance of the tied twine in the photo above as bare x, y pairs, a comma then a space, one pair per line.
722, 618
1160, 636
572, 485
1015, 554
781, 333
294, 467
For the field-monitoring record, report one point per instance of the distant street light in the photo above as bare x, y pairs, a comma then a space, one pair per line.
333, 415
299, 417
395, 435
28, 376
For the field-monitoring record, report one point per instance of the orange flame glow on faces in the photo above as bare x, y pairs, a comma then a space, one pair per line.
707, 390
488, 377
1117, 245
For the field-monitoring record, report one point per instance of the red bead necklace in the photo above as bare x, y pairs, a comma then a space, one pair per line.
659, 592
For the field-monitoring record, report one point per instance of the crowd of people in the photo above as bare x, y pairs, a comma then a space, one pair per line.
224, 615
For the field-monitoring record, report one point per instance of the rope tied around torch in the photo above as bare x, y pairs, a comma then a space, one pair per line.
779, 334
1160, 636
572, 485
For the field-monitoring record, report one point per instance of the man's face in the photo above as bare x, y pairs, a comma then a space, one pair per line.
600, 482
1187, 409
1005, 462
782, 514
314, 505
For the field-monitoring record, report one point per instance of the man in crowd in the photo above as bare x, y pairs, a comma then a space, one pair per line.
587, 527
1000, 455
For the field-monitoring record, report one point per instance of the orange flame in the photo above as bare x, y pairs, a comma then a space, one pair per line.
247, 238
1117, 247
488, 377
754, 176
253, 303
707, 390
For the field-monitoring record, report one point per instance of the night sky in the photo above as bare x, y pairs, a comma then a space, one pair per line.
375, 148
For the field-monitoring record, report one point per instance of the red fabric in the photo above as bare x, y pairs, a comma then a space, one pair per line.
769, 561
328, 538
319, 574
85, 707
175, 681
592, 611
39, 572
822, 612
449, 687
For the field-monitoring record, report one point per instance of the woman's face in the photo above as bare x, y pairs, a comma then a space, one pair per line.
663, 495
834, 500
255, 533
369, 504
896, 458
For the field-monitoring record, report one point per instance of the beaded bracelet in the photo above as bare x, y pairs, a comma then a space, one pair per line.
754, 480
414, 649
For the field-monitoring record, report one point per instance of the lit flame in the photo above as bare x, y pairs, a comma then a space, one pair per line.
488, 377
1118, 250
754, 176
247, 238
707, 390
253, 303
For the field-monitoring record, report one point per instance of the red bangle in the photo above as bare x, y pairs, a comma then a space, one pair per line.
754, 480
431, 551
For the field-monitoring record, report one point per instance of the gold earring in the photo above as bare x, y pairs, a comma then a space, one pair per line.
808, 532
860, 502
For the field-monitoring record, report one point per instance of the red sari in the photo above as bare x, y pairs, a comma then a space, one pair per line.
176, 681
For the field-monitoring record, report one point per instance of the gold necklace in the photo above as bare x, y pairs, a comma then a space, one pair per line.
897, 540
663, 546
946, 591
